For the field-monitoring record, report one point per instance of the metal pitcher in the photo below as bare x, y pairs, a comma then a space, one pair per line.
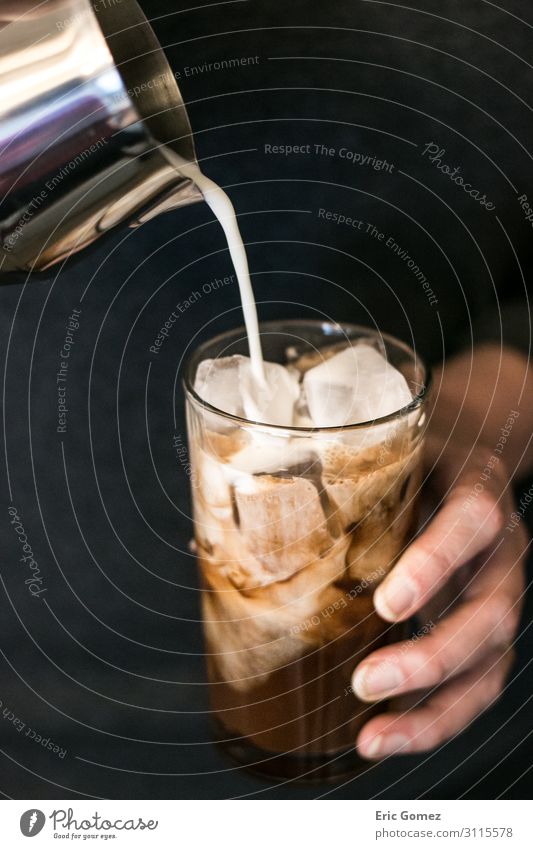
87, 100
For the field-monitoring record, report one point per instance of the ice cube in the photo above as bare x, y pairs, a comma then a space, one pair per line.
375, 507
268, 456
211, 482
218, 382
313, 357
272, 402
256, 629
229, 384
283, 522
356, 385
377, 492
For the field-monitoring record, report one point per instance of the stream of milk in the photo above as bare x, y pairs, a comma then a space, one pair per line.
223, 209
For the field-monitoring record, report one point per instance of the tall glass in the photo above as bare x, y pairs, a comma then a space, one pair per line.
295, 528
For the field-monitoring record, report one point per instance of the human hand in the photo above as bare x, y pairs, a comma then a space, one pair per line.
464, 575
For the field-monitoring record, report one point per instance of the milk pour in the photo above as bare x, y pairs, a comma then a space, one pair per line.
222, 208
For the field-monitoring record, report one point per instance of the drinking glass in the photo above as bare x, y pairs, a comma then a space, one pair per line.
295, 527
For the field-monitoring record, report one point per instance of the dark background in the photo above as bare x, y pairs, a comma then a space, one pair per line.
108, 662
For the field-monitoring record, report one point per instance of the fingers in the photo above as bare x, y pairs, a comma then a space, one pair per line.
462, 639
502, 571
460, 531
441, 717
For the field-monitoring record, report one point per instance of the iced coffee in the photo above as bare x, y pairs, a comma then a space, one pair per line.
304, 496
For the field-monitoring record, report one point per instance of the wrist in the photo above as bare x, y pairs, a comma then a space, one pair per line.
482, 403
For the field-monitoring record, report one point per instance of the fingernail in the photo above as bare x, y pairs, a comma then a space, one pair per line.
503, 634
395, 743
373, 679
395, 598
382, 746
374, 747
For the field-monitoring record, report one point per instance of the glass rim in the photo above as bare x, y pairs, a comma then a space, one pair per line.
414, 404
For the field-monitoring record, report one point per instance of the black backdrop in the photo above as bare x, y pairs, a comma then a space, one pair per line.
108, 662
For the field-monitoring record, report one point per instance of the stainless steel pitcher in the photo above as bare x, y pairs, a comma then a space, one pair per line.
87, 98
